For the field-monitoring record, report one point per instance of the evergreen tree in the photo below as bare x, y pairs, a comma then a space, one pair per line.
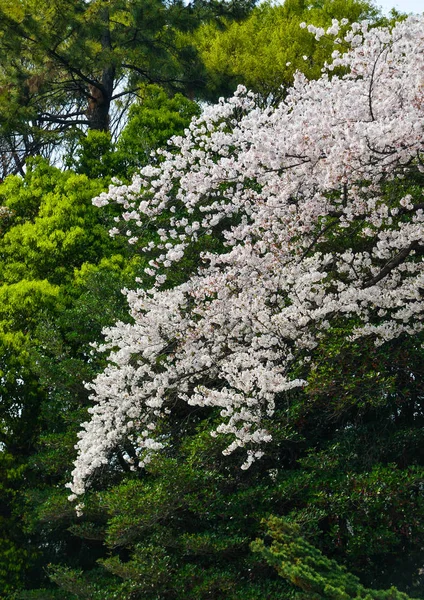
264, 51
307, 568
69, 66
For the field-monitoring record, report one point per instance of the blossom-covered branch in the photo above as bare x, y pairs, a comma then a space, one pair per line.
316, 210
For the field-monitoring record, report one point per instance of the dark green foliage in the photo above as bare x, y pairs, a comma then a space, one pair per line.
183, 528
12, 556
344, 469
68, 66
307, 568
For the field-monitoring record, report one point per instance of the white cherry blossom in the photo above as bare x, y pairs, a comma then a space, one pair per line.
318, 225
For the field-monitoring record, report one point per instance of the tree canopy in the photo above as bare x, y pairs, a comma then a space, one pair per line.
67, 66
252, 403
283, 288
264, 51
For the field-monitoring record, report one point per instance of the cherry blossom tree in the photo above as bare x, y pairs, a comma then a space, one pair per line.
278, 224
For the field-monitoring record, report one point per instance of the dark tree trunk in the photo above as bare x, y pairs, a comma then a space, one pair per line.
98, 111
99, 105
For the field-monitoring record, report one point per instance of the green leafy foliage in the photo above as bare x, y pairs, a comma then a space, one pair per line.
182, 529
66, 66
152, 120
12, 556
307, 568
54, 228
345, 466
264, 51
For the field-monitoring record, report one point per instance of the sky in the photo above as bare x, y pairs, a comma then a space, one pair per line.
407, 6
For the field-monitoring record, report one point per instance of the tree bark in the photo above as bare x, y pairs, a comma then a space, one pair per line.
98, 111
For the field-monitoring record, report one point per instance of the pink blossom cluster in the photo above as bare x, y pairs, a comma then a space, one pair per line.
319, 223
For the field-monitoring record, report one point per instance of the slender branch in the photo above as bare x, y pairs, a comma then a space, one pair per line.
158, 79
126, 93
391, 264
64, 121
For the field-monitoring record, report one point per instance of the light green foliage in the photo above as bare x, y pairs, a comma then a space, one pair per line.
53, 228
307, 568
152, 120
264, 51
96, 157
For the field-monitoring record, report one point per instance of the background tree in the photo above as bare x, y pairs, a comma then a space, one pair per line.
264, 51
66, 65
152, 120
61, 281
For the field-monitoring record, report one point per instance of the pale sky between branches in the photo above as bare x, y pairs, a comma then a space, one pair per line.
407, 6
